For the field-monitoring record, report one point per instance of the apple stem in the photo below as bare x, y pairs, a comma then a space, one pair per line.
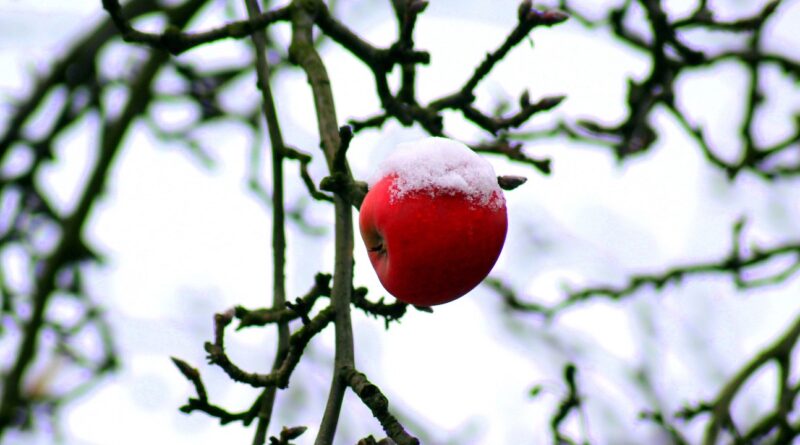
341, 180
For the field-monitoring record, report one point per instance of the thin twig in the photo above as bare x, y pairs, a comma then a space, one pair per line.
280, 377
177, 42
734, 263
259, 38
780, 351
374, 399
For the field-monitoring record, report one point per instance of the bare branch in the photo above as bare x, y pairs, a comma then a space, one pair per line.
303, 53
278, 150
71, 235
779, 351
377, 403
176, 42
280, 377
735, 264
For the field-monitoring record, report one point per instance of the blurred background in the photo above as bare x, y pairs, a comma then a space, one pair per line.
175, 224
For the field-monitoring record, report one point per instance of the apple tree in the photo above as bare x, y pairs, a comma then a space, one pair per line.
47, 253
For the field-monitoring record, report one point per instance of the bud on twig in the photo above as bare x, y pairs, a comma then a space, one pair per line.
418, 6
524, 8
525, 100
293, 432
511, 182
552, 17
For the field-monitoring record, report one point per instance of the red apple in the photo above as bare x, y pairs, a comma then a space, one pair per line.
434, 222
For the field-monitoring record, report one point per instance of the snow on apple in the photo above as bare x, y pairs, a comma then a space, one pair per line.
434, 221
439, 165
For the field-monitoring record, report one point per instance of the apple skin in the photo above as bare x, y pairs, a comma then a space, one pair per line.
430, 248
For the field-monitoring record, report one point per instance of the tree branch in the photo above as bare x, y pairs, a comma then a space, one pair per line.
302, 52
735, 263
280, 377
176, 42
779, 351
259, 38
110, 144
379, 405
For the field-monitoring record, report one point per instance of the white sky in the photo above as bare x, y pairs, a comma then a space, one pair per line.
184, 243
